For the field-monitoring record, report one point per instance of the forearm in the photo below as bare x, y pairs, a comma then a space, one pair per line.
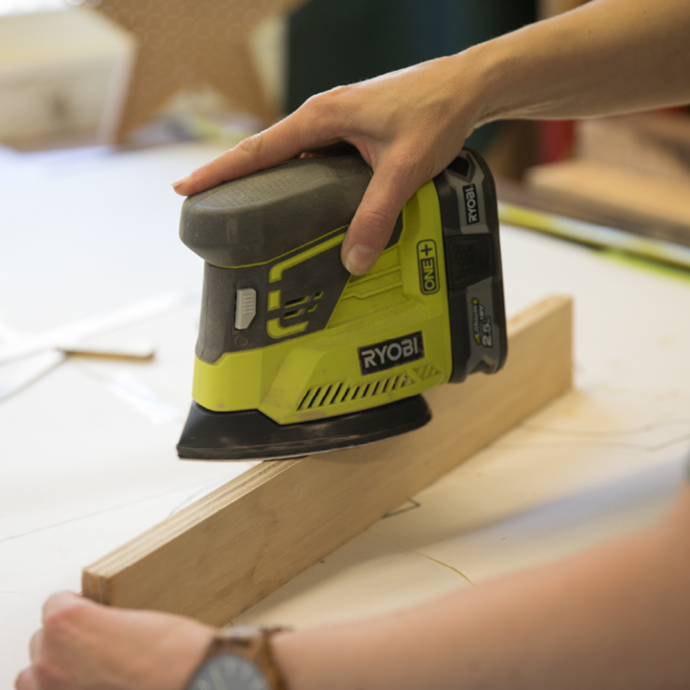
607, 57
613, 617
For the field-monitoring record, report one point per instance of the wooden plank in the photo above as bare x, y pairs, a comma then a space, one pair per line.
615, 188
655, 145
588, 211
228, 550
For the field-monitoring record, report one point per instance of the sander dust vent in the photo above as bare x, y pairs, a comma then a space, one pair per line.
322, 396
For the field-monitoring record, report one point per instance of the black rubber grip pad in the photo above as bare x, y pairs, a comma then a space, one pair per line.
265, 215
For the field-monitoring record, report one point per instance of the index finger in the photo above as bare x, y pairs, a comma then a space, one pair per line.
59, 601
372, 226
299, 132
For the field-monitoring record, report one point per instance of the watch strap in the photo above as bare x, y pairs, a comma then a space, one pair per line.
253, 644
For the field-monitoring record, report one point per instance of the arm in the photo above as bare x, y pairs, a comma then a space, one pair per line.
609, 56
616, 616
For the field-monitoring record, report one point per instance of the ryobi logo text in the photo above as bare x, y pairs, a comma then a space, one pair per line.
471, 204
391, 353
428, 267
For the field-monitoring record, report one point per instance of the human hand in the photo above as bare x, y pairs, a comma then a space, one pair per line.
84, 645
408, 126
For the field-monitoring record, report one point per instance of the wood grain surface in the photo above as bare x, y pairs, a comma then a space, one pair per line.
228, 550
615, 188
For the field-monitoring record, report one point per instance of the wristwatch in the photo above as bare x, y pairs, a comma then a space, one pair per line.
239, 658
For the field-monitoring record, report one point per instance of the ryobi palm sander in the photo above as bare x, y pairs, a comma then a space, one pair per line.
297, 356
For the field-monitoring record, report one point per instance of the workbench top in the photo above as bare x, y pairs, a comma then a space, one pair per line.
87, 452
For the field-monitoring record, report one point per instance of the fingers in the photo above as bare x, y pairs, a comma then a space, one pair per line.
58, 602
372, 225
304, 130
26, 680
35, 646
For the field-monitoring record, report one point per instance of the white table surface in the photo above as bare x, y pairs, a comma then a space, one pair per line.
87, 453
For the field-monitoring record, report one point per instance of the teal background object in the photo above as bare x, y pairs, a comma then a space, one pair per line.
333, 42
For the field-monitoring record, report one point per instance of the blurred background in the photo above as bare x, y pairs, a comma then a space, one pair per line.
65, 66
140, 73
104, 103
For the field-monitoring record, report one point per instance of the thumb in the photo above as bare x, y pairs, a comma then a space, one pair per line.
374, 221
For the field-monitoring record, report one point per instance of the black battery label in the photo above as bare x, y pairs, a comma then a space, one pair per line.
391, 353
482, 328
471, 204
427, 260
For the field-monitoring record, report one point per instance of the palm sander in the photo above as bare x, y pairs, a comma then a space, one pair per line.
297, 356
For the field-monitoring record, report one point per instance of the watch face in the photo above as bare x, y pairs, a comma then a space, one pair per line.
228, 672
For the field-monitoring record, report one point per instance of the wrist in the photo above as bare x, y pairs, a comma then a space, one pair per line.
495, 93
286, 655
241, 656
312, 658
336, 657
483, 83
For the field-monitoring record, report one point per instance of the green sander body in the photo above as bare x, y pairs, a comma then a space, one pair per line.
295, 355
